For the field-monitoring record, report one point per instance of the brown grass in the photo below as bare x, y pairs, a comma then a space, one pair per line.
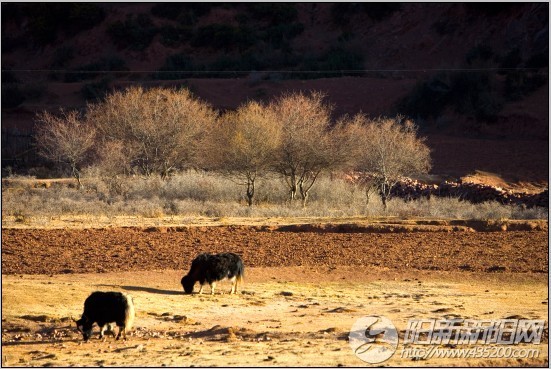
206, 195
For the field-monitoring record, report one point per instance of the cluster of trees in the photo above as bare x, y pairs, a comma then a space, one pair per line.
158, 131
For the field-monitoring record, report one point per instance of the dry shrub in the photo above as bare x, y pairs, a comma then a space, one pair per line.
158, 129
201, 186
306, 145
206, 194
242, 145
65, 138
390, 150
452, 208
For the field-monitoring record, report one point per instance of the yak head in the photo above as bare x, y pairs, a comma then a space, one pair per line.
188, 283
84, 326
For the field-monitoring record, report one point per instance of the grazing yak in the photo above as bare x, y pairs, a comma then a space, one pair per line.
104, 308
209, 268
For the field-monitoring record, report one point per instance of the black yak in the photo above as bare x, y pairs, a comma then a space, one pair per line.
104, 308
209, 268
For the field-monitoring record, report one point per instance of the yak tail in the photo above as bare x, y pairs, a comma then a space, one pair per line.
129, 312
240, 272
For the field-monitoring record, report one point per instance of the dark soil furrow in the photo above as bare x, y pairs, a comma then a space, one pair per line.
56, 251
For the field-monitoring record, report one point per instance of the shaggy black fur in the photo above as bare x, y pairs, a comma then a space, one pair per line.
211, 268
106, 307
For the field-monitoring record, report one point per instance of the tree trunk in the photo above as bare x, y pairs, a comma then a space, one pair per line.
165, 171
303, 192
293, 187
250, 191
304, 199
383, 191
305, 188
76, 175
367, 198
383, 199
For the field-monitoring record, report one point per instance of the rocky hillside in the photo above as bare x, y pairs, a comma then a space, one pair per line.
468, 70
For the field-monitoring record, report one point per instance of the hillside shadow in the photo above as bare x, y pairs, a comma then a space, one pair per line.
144, 289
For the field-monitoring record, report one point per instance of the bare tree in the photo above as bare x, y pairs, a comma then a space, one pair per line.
390, 150
66, 139
349, 137
306, 148
242, 145
113, 167
160, 127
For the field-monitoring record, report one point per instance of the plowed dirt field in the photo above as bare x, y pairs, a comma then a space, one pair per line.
54, 251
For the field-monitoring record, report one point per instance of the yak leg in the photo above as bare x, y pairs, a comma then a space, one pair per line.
212, 286
107, 328
110, 329
122, 331
102, 331
201, 289
233, 285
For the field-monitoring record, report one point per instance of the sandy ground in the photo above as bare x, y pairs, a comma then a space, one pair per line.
296, 316
304, 288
